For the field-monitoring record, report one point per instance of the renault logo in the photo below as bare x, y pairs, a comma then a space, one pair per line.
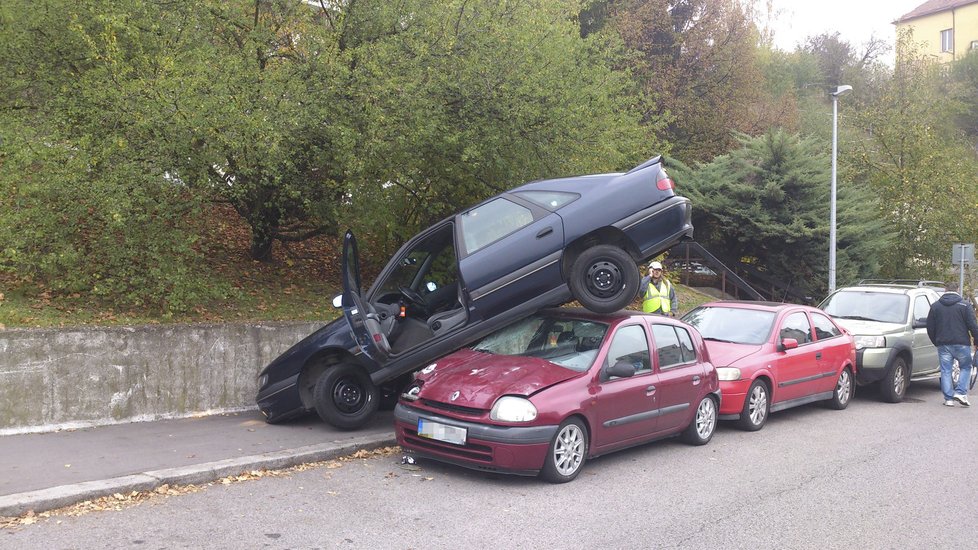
454, 396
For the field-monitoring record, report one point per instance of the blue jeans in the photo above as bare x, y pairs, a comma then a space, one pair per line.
946, 355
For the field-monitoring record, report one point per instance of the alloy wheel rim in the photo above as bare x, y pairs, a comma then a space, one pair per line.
844, 388
898, 380
705, 418
758, 405
569, 450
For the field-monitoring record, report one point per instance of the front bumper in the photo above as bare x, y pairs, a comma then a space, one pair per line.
511, 449
280, 400
872, 364
733, 393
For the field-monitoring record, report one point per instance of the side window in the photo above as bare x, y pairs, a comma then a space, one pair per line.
492, 221
921, 307
669, 347
824, 328
686, 344
630, 345
796, 326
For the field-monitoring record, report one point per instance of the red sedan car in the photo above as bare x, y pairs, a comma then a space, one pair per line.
773, 356
546, 393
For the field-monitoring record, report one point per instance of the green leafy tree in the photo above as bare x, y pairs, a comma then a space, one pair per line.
918, 164
767, 204
697, 67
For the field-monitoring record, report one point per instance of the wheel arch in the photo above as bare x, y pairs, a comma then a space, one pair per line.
605, 235
315, 366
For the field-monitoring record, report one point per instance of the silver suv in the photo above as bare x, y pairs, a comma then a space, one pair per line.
889, 324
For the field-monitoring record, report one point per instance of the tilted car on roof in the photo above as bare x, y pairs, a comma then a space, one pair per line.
542, 244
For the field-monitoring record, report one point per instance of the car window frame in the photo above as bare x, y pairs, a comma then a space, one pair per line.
815, 315
789, 315
603, 377
655, 344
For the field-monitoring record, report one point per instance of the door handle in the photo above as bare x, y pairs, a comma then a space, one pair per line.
650, 390
696, 380
818, 355
544, 232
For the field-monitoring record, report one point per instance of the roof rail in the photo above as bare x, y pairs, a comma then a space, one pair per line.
911, 282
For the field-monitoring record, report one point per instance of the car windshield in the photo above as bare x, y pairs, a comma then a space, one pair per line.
732, 324
884, 307
568, 342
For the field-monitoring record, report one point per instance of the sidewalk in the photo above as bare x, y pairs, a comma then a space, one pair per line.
49, 470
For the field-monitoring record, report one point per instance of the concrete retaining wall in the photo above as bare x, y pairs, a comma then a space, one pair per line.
58, 378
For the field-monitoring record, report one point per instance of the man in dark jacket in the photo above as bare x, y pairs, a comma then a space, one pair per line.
952, 327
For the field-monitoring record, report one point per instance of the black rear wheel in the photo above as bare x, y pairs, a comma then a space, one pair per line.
604, 279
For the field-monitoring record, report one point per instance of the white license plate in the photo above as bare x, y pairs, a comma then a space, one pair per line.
441, 432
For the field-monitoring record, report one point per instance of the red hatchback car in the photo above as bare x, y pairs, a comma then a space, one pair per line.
773, 356
546, 393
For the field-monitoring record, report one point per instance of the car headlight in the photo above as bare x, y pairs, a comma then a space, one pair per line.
262, 380
728, 373
870, 342
510, 408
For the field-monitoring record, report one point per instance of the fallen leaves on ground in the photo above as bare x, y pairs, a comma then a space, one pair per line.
120, 501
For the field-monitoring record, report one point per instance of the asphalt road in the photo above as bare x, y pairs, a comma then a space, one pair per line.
876, 475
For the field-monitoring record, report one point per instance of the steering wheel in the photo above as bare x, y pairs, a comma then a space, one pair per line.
414, 298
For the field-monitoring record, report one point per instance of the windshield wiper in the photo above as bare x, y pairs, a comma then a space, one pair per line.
855, 317
720, 340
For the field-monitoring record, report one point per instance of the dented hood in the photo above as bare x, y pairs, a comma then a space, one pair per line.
481, 378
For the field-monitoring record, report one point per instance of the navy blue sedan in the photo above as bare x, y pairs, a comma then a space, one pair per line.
542, 244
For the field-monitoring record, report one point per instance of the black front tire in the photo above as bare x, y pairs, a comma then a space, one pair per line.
345, 397
893, 386
567, 453
604, 279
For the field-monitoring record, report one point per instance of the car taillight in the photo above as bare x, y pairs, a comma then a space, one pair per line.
664, 183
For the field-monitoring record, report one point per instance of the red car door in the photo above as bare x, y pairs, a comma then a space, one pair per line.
625, 409
796, 370
681, 376
835, 349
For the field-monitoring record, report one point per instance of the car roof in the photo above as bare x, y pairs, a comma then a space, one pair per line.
621, 315
752, 304
885, 288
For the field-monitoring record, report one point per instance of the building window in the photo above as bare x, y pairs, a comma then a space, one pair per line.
947, 40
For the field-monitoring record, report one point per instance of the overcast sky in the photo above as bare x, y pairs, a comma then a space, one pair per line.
855, 20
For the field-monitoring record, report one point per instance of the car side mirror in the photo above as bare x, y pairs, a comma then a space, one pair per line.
919, 323
621, 369
338, 301
788, 343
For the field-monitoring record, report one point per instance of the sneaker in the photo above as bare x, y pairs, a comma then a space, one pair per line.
948, 403
963, 399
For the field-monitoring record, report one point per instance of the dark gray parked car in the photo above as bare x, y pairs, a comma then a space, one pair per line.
543, 244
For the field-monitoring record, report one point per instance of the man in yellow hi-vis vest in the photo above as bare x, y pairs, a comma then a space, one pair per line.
660, 297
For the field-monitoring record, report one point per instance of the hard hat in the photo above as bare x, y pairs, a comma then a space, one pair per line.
655, 265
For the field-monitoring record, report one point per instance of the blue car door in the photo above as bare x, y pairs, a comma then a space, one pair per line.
357, 311
511, 253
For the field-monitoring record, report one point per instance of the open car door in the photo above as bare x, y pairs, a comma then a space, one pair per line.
359, 313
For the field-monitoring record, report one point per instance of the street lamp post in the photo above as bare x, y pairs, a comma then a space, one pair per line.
840, 90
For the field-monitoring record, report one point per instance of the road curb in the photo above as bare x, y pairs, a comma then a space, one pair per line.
66, 495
